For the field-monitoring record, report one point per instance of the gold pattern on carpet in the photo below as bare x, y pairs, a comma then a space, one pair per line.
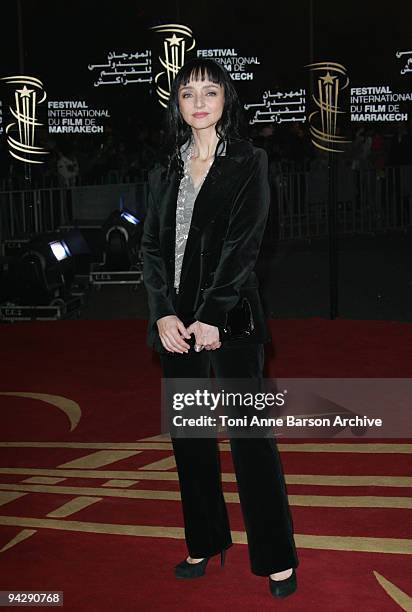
96, 457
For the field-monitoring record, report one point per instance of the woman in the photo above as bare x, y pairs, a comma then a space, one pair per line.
205, 222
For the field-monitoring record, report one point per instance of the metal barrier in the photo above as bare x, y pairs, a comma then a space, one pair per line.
111, 177
33, 211
369, 200
25, 212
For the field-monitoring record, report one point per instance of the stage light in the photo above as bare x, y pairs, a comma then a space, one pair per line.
44, 269
60, 249
35, 279
122, 234
73, 244
128, 216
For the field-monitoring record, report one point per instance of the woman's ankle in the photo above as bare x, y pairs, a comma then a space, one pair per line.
193, 561
283, 575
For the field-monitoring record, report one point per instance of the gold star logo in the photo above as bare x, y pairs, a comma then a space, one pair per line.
327, 79
174, 40
25, 93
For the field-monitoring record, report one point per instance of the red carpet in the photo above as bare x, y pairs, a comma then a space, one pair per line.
89, 505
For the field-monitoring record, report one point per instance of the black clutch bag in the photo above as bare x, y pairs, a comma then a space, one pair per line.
239, 322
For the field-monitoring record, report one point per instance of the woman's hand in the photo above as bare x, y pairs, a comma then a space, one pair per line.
171, 332
207, 336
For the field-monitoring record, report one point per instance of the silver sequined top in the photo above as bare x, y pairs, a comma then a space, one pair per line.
185, 202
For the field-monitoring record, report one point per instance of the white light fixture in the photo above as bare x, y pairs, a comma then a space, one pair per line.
60, 249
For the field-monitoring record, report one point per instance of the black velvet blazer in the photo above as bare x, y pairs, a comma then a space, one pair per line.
226, 231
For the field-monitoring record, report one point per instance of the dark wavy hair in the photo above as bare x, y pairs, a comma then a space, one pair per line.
230, 126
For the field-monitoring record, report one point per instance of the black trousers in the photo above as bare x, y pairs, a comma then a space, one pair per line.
258, 468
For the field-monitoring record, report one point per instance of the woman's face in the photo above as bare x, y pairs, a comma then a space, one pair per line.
201, 103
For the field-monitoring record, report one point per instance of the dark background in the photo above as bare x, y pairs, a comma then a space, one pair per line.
61, 37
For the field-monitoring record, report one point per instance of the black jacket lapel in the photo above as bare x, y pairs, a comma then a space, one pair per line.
167, 211
217, 185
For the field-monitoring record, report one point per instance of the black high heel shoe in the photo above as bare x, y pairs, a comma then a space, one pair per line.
194, 570
283, 588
